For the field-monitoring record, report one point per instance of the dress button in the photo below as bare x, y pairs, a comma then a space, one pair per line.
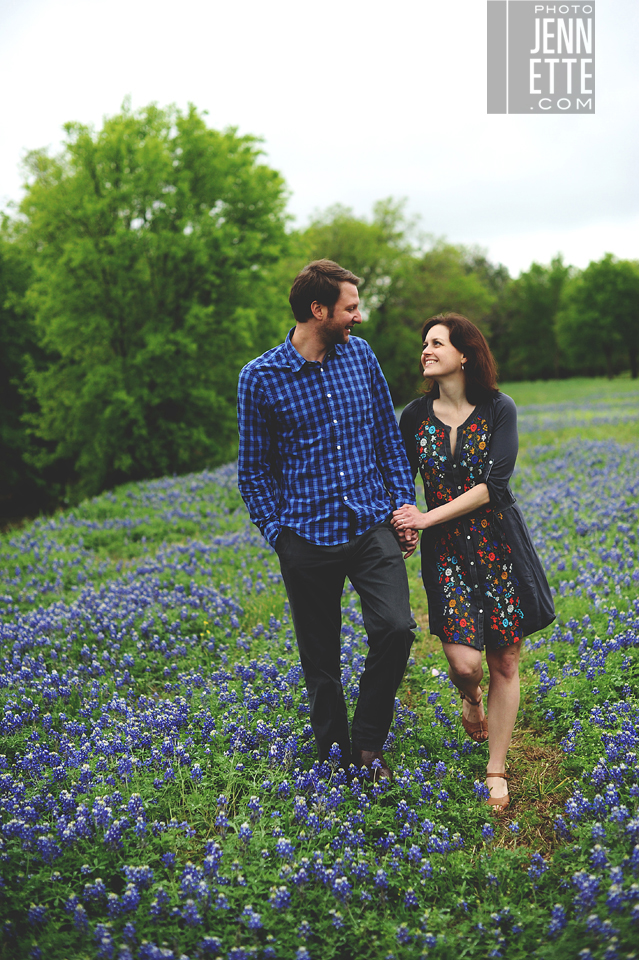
468, 537
472, 563
459, 488
328, 395
334, 421
481, 611
339, 448
346, 498
341, 473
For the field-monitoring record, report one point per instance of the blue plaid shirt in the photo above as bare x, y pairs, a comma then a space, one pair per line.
320, 449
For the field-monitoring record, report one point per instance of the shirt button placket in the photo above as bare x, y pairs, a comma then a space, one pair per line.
338, 446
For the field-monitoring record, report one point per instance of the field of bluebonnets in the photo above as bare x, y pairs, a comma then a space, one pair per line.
159, 792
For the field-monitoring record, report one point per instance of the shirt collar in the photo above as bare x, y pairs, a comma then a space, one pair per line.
296, 360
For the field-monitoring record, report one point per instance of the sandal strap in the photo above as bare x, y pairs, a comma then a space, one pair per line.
474, 703
499, 801
504, 776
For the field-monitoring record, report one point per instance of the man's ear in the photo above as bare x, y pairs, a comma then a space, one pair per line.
319, 311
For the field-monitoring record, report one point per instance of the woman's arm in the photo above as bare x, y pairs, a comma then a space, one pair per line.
501, 463
411, 517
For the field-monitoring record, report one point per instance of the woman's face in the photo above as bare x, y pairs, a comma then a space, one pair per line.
439, 357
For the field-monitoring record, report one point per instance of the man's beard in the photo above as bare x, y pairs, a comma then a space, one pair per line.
332, 333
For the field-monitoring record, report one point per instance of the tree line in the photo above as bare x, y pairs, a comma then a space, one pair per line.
151, 259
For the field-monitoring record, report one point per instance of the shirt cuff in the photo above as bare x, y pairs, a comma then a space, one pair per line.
271, 531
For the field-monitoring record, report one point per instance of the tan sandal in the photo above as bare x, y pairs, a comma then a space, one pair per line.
476, 731
499, 804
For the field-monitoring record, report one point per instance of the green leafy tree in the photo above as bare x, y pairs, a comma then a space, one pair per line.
524, 341
153, 242
20, 490
427, 283
372, 249
402, 283
598, 325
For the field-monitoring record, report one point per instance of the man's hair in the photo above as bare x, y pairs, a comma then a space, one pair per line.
480, 368
319, 280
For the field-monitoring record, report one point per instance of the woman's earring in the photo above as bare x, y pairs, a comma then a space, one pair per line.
462, 366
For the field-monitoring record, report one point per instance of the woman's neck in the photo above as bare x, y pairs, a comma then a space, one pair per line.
452, 392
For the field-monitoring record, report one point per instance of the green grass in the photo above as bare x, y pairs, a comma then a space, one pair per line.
573, 390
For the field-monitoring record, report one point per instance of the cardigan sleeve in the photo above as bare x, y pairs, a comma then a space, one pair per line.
502, 454
407, 424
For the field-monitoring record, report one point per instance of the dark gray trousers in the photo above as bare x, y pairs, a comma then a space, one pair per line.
314, 577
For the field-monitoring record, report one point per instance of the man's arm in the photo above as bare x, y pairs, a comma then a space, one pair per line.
255, 479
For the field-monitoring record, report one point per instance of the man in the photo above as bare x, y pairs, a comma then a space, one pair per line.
321, 467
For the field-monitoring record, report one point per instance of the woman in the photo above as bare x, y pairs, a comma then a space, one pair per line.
484, 581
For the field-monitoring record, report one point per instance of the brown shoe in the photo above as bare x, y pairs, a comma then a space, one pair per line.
476, 731
499, 805
365, 758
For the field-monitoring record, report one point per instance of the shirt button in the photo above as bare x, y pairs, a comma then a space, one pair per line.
339, 448
346, 498
472, 563
328, 394
481, 611
334, 421
341, 473
468, 537
459, 488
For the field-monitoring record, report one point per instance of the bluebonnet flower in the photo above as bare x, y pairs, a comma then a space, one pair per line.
37, 915
558, 920
587, 886
599, 857
80, 919
410, 899
245, 834
280, 898
190, 914
538, 867
284, 848
252, 919
210, 945
104, 941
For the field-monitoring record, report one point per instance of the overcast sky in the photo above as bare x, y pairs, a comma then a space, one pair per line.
355, 101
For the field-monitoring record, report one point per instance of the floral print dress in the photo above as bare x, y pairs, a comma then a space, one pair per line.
484, 581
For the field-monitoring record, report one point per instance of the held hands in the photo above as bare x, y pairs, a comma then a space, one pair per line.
408, 541
409, 517
407, 521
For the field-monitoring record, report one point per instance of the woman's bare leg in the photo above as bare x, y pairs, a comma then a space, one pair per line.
465, 671
503, 705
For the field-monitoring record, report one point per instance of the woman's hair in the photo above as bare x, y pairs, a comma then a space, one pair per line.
480, 368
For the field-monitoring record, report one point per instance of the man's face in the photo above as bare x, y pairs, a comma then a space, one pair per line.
336, 327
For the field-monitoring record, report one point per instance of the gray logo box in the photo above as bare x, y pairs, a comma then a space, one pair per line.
541, 57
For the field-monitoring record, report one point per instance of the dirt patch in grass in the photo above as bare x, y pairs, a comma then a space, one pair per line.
539, 787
